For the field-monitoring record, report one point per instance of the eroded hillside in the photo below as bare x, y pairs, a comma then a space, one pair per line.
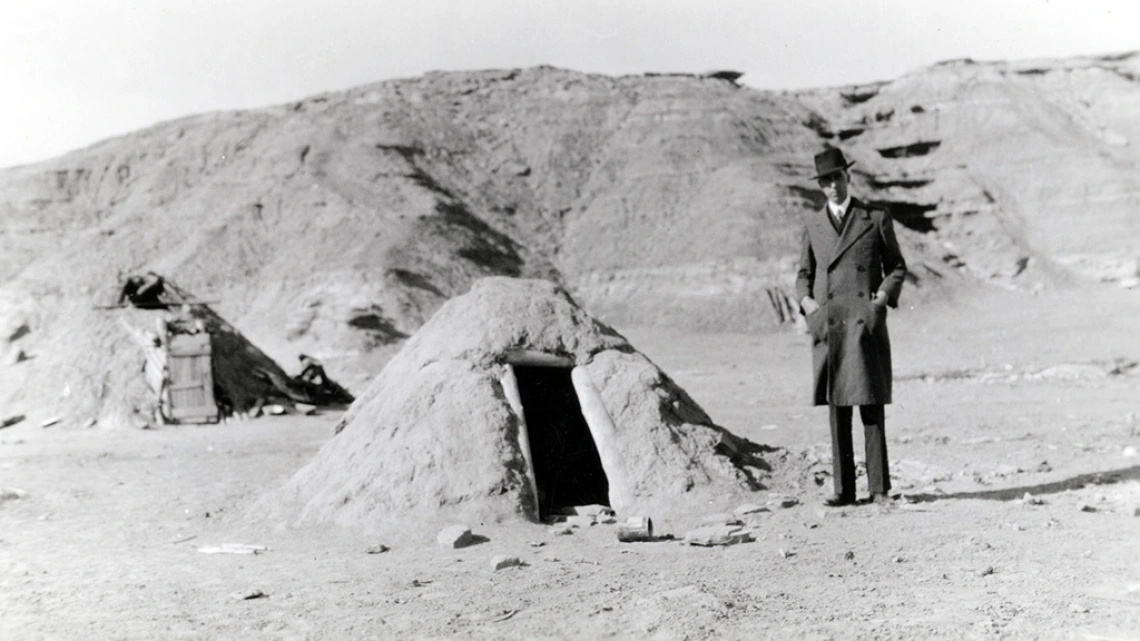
337, 224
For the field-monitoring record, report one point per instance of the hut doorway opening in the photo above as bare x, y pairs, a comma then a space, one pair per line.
567, 467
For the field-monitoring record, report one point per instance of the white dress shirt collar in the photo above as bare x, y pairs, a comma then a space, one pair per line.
837, 211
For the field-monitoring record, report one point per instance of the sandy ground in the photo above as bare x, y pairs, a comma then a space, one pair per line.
102, 541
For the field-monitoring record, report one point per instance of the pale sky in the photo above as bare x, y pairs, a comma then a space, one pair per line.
77, 71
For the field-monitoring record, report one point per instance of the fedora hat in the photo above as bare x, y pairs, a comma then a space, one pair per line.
829, 161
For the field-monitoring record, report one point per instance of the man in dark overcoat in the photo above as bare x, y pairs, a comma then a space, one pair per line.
850, 272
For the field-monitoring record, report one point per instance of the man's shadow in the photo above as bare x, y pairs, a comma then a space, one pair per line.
1014, 493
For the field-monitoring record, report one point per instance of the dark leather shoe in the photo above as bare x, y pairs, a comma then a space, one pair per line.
882, 498
839, 500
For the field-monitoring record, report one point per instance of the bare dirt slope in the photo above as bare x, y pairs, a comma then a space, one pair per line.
335, 225
991, 406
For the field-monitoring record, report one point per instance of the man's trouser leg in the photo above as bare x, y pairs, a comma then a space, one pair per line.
842, 452
875, 440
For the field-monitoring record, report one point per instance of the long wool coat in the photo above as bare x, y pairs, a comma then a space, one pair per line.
851, 351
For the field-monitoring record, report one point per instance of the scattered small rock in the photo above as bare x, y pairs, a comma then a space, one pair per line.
848, 556
1085, 507
580, 521
989, 569
501, 562
247, 595
1079, 608
721, 519
783, 501
588, 510
1044, 467
455, 536
787, 554
711, 535
50, 421
11, 420
749, 508
379, 548
897, 559
1029, 499
561, 530
536, 544
11, 493
89, 423
1136, 511
233, 548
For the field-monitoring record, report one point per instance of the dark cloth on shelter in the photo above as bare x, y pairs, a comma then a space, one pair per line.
144, 291
318, 388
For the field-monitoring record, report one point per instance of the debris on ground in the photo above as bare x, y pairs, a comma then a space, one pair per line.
561, 530
581, 521
986, 571
11, 420
11, 493
455, 536
781, 501
749, 508
247, 595
848, 556
594, 510
1085, 507
504, 616
721, 519
379, 548
712, 535
1029, 499
50, 421
502, 562
233, 548
635, 528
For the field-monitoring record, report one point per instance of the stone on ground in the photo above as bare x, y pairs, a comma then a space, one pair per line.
455, 536
712, 535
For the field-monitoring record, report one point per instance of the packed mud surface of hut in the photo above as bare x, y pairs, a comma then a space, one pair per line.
512, 402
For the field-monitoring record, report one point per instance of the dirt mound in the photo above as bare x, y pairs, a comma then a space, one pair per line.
435, 435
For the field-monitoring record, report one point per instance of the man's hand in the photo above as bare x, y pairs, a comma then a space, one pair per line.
880, 299
809, 305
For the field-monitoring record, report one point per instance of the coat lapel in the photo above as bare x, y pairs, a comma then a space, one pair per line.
858, 222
